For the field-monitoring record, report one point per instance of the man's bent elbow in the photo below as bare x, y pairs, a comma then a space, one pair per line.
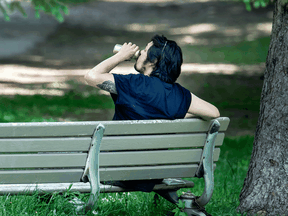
90, 79
213, 114
216, 113
86, 78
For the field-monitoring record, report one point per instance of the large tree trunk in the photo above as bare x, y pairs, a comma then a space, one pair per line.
265, 190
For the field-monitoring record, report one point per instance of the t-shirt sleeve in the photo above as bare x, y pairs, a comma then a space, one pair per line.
129, 87
185, 102
188, 98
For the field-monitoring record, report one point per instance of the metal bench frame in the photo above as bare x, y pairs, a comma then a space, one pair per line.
192, 204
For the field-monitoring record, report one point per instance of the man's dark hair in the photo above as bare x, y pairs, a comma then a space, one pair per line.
168, 57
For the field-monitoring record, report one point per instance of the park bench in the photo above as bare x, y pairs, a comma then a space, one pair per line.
50, 156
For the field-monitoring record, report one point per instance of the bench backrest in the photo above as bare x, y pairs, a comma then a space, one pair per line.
50, 152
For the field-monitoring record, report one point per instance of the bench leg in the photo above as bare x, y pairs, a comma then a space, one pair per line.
195, 205
169, 195
91, 171
192, 208
206, 164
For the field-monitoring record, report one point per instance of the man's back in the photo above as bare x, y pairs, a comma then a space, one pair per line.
143, 97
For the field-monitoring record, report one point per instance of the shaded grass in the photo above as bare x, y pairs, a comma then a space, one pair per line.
229, 177
240, 93
244, 52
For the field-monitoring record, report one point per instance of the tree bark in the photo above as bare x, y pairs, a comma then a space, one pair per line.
265, 190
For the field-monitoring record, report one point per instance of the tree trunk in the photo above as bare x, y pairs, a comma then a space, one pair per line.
265, 190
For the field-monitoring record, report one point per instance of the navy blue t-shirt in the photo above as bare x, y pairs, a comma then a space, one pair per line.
142, 97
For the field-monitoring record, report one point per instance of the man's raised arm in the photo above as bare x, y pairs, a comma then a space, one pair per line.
100, 77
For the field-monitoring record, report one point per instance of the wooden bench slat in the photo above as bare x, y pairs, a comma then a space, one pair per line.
64, 129
107, 159
135, 158
156, 142
41, 176
155, 172
42, 160
116, 143
45, 144
106, 174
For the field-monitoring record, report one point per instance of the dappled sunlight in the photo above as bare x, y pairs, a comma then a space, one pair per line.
8, 89
32, 75
257, 30
194, 29
139, 27
193, 34
205, 33
264, 27
41, 59
228, 69
232, 32
23, 80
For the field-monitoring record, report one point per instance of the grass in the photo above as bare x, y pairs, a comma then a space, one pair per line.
229, 177
39, 108
244, 52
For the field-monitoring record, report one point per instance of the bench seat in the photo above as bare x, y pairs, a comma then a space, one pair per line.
50, 156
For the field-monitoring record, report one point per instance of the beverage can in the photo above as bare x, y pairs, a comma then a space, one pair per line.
117, 48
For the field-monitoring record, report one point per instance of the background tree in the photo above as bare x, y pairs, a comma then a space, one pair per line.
265, 190
56, 8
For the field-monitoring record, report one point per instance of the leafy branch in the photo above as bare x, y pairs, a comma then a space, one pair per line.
56, 8
256, 3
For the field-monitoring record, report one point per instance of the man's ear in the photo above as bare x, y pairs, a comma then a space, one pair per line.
153, 64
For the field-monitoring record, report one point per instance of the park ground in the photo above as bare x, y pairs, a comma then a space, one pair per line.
221, 41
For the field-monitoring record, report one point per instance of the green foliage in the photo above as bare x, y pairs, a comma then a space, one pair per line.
179, 209
56, 8
52, 7
256, 3
3, 8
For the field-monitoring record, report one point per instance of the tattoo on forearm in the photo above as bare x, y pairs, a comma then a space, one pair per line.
108, 86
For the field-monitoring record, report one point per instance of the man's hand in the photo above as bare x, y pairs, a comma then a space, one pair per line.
127, 51
100, 77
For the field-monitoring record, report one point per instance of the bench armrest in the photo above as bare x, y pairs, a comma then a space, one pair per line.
91, 171
205, 168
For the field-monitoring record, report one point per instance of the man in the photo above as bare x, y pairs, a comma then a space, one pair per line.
151, 94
